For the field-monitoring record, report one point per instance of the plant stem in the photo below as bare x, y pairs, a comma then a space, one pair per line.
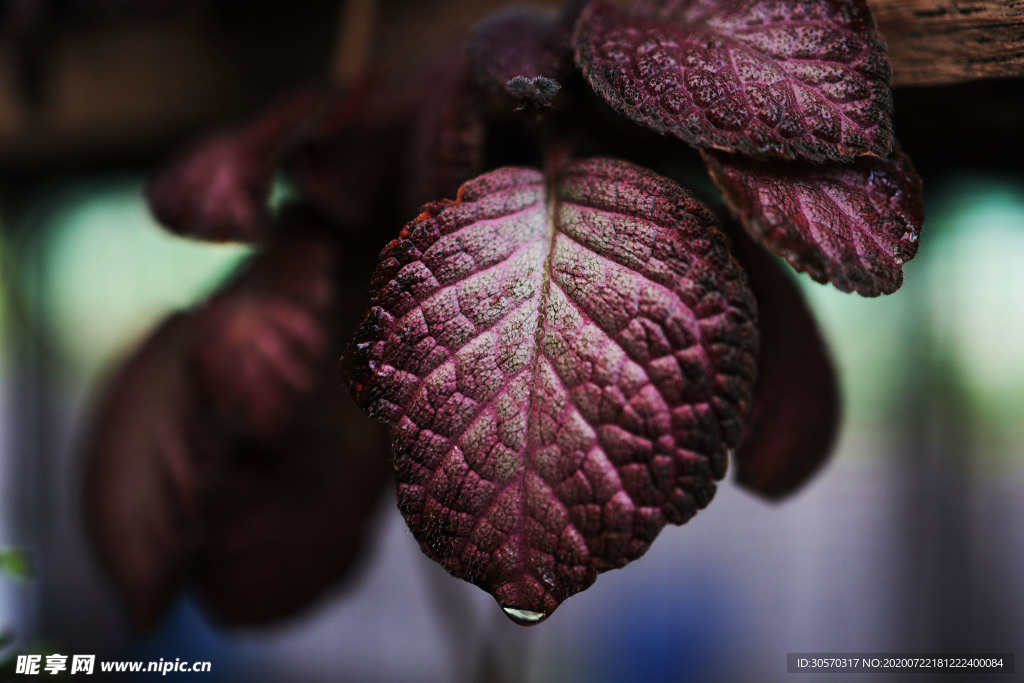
354, 38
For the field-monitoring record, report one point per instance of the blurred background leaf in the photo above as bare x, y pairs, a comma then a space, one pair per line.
14, 563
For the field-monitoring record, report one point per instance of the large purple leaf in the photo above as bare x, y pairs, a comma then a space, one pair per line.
853, 225
765, 78
795, 413
566, 365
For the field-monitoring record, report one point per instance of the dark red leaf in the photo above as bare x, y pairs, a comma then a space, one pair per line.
347, 167
795, 415
304, 467
517, 50
853, 225
289, 517
260, 344
418, 135
266, 508
217, 190
565, 367
446, 148
764, 78
142, 476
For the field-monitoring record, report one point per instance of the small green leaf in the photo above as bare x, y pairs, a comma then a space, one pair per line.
14, 562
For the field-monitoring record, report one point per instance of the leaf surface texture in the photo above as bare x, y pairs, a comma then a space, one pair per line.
764, 78
852, 225
566, 363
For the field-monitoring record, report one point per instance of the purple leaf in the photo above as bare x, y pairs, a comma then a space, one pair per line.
418, 135
519, 50
217, 190
259, 346
764, 78
795, 414
565, 364
142, 477
446, 148
213, 465
304, 467
853, 225
346, 167
290, 516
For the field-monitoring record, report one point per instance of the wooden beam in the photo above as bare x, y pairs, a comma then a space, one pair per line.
123, 89
933, 42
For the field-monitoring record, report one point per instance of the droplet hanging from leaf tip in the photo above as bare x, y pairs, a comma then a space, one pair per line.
524, 617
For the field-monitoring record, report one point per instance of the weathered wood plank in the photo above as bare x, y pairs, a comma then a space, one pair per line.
949, 41
116, 88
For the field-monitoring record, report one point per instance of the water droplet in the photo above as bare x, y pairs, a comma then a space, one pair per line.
524, 617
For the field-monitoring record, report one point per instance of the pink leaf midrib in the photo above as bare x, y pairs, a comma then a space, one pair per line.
540, 299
